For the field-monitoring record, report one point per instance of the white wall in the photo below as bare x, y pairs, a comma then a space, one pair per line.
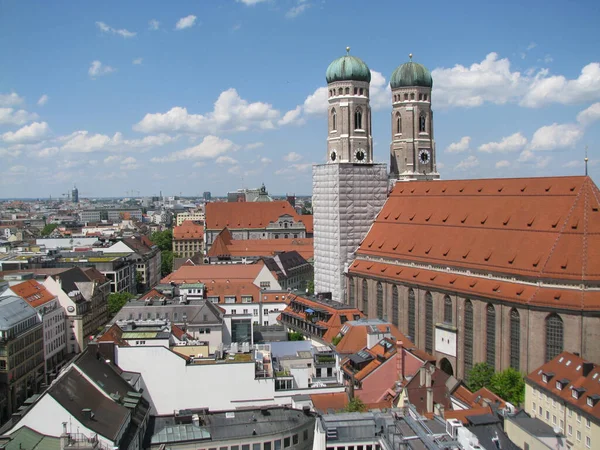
266, 275
445, 341
270, 317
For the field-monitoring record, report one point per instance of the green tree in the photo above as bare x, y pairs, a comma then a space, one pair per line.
166, 266
310, 286
355, 405
336, 340
480, 376
295, 336
510, 385
163, 240
117, 300
49, 228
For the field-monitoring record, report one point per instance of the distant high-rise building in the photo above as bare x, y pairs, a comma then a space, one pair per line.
207, 196
75, 195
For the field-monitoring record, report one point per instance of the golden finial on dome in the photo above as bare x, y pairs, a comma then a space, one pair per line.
410, 56
347, 50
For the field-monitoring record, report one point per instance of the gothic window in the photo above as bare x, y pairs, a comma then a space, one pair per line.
333, 120
420, 96
447, 309
358, 119
395, 306
405, 96
425, 97
365, 295
515, 338
347, 91
398, 123
554, 336
351, 299
412, 96
361, 91
367, 92
379, 300
340, 91
422, 123
490, 344
355, 91
468, 337
411, 314
428, 323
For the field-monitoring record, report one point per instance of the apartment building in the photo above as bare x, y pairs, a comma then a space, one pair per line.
21, 353
565, 394
188, 239
194, 216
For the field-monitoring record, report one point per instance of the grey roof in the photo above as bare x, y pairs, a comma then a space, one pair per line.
178, 433
533, 426
492, 436
289, 348
194, 312
357, 426
14, 310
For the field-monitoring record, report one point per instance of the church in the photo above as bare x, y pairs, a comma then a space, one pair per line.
503, 271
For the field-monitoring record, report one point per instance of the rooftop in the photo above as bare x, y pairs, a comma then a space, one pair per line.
33, 292
14, 310
253, 215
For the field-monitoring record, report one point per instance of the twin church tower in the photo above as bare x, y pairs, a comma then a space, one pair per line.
350, 188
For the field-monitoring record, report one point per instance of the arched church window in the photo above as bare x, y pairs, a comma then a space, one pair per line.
340, 91
365, 295
490, 344
379, 300
398, 123
411, 315
425, 97
333, 120
351, 299
447, 309
420, 96
554, 336
412, 96
428, 322
422, 123
367, 92
405, 96
347, 90
358, 119
361, 91
355, 91
468, 336
515, 338
395, 306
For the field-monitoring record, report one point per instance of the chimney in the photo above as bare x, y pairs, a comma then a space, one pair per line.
400, 360
428, 372
586, 368
429, 399
422, 376
64, 437
351, 388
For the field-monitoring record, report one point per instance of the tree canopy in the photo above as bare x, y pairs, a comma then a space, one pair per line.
355, 405
117, 300
508, 384
163, 240
480, 376
48, 229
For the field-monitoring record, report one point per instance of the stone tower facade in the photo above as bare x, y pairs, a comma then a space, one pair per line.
412, 151
349, 189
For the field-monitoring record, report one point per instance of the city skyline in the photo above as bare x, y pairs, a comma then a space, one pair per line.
116, 99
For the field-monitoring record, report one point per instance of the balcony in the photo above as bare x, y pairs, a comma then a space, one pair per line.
324, 361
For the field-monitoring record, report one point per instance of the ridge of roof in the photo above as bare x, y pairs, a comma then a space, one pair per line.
234, 215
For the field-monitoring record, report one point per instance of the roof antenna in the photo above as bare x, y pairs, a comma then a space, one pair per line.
586, 161
410, 56
347, 50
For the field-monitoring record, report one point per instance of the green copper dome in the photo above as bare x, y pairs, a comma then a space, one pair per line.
348, 68
411, 74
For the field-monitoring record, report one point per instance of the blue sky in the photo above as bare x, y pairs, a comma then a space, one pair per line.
190, 96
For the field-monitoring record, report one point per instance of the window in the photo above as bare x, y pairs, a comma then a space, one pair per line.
333, 120
468, 345
395, 306
578, 435
267, 445
255, 312
553, 419
255, 446
533, 407
554, 336
547, 415
398, 123
234, 312
351, 299
295, 439
358, 119
305, 435
347, 91
365, 295
447, 309
588, 442
412, 96
515, 338
286, 442
420, 96
490, 344
379, 300
422, 123
428, 323
570, 430
411, 315
562, 425
278, 444
540, 411
587, 423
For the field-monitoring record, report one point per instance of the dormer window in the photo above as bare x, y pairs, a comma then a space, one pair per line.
574, 393
559, 385
547, 376
590, 402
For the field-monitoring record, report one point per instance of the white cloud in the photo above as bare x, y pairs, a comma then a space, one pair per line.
512, 143
254, 145
12, 99
185, 22
137, 61
18, 170
225, 160
199, 164
460, 146
589, 115
29, 133
546, 89
316, 103
230, 113
293, 168
84, 142
380, 94
98, 69
574, 163
250, 2
502, 164
111, 159
43, 100
468, 163
129, 163
292, 116
121, 32
292, 157
8, 116
265, 160
531, 46
297, 10
153, 25
211, 147
47, 152
556, 136
234, 170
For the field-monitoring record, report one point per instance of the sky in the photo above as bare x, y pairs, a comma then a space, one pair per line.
214, 95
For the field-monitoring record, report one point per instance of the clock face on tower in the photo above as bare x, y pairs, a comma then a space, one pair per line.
333, 155
360, 155
424, 156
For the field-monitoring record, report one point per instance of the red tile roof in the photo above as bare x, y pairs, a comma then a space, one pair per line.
33, 293
307, 220
532, 227
336, 401
224, 289
224, 246
247, 214
205, 273
462, 414
188, 230
355, 337
153, 294
179, 333
573, 372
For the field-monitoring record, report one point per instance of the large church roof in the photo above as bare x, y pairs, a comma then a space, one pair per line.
533, 228
256, 215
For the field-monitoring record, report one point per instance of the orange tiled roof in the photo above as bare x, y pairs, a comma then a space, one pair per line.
260, 247
153, 294
336, 401
513, 291
307, 220
477, 399
113, 334
205, 273
179, 333
532, 227
33, 292
573, 372
246, 214
462, 414
355, 338
224, 289
188, 230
